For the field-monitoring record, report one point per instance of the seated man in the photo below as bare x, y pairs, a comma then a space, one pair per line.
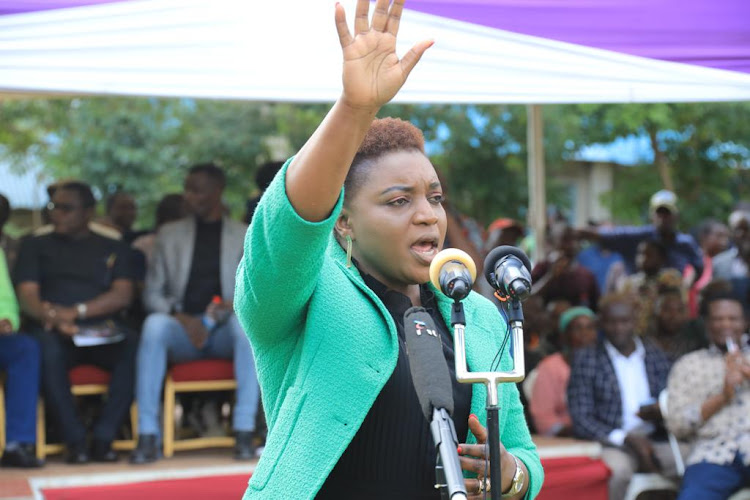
69, 280
611, 397
19, 358
709, 401
189, 293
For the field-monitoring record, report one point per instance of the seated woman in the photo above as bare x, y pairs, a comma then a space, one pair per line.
549, 408
325, 279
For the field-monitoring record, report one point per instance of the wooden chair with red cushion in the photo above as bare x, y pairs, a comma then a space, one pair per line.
85, 380
195, 376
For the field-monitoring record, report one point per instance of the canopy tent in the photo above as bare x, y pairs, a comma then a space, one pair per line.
486, 51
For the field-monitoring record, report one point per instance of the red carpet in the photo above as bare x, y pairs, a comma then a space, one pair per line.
214, 487
565, 479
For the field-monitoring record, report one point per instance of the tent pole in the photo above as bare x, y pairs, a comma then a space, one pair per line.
536, 172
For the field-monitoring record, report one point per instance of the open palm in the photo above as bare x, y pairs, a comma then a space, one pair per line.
373, 73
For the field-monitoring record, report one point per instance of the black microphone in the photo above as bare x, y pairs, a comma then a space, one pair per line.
508, 270
432, 382
427, 364
453, 272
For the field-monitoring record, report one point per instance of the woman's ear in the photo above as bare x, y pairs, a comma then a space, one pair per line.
343, 226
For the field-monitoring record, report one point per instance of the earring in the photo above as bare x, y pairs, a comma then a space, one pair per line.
348, 251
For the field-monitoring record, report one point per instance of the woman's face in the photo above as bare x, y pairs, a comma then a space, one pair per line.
396, 219
581, 332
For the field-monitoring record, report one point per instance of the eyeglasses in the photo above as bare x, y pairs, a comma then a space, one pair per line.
63, 207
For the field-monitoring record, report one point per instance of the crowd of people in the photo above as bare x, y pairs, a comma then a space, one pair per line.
670, 313
86, 289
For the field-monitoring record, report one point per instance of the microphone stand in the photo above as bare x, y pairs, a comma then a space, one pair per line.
490, 379
448, 475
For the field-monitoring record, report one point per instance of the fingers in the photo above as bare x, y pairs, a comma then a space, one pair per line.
474, 450
361, 18
380, 16
478, 467
412, 57
394, 17
475, 487
345, 36
477, 429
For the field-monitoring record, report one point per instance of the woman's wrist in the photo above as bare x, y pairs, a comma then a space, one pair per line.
508, 471
360, 111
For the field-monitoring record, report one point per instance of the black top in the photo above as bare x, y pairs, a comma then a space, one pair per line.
205, 271
393, 454
70, 271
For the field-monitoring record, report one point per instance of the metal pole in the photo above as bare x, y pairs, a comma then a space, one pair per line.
536, 174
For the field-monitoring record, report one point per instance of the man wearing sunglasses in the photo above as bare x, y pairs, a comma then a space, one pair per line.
69, 281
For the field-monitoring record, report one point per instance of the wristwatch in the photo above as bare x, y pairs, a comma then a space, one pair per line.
518, 478
81, 309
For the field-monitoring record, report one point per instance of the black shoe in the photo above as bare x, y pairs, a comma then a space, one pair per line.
101, 451
76, 454
244, 447
147, 450
22, 456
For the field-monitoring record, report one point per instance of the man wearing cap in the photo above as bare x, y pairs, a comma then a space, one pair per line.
682, 249
733, 263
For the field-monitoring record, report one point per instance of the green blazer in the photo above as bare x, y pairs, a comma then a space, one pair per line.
8, 303
325, 345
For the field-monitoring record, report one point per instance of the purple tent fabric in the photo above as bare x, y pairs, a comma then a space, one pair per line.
712, 33
21, 6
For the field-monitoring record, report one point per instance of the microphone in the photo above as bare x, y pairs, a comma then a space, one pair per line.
427, 364
432, 382
453, 272
508, 270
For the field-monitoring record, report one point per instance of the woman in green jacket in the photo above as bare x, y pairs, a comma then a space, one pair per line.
338, 249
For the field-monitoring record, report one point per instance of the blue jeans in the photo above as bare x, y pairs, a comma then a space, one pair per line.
706, 481
20, 359
164, 339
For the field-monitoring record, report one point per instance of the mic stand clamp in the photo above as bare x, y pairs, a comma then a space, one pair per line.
490, 379
450, 479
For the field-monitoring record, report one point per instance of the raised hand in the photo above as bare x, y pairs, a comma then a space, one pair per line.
373, 73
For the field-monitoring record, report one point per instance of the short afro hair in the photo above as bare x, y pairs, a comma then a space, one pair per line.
615, 298
211, 171
82, 190
386, 135
719, 290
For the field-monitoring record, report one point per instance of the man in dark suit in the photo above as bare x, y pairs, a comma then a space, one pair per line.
612, 394
70, 281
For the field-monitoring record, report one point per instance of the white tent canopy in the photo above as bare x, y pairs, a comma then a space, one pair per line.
288, 51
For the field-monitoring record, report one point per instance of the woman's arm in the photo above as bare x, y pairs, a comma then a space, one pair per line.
372, 76
287, 241
8, 303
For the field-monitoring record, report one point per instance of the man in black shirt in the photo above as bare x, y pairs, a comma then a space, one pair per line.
71, 281
189, 294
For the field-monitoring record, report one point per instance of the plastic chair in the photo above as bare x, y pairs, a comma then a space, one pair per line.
85, 380
195, 376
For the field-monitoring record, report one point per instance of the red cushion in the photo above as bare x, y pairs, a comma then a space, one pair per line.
574, 477
88, 374
204, 369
